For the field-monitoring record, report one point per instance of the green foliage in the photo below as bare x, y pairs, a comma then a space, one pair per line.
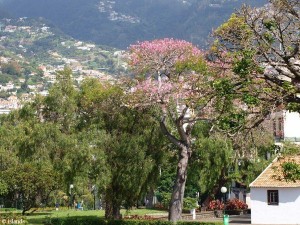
12, 218
85, 136
43, 135
250, 99
270, 24
290, 149
33, 182
97, 221
291, 171
3, 187
11, 68
235, 29
133, 154
263, 45
211, 157
244, 63
293, 106
60, 104
269, 37
195, 64
190, 203
223, 87
39, 47
165, 199
250, 169
166, 178
232, 121
133, 143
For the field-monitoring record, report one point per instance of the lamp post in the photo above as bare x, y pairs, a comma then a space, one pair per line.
225, 217
94, 193
71, 196
1, 169
224, 190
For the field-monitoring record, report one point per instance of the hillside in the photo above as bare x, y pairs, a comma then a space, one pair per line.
120, 23
31, 51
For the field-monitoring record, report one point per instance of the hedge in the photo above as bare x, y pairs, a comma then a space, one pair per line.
12, 218
8, 209
97, 221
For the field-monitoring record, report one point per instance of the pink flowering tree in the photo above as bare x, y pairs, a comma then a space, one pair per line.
172, 75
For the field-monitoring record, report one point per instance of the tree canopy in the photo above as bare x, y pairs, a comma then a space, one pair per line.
266, 38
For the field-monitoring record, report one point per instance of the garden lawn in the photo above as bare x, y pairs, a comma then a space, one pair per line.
37, 218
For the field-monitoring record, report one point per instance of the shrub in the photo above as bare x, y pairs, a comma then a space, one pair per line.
190, 203
165, 199
215, 205
12, 218
138, 217
8, 209
97, 221
234, 204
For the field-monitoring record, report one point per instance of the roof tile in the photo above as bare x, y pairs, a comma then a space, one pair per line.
273, 176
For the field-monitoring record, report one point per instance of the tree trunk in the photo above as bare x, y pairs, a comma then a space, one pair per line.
176, 203
112, 211
116, 212
112, 207
149, 199
108, 208
108, 203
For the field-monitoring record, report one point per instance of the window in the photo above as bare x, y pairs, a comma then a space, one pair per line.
273, 198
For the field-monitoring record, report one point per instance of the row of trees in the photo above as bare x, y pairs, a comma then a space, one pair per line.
89, 137
83, 137
208, 106
252, 69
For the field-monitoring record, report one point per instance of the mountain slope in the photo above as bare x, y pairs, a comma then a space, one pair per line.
27, 45
120, 23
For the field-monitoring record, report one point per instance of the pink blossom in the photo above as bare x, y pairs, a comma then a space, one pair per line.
157, 60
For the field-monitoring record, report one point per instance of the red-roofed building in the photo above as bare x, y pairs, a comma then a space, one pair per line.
275, 199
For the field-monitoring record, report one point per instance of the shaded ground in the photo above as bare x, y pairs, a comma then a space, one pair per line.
240, 220
237, 219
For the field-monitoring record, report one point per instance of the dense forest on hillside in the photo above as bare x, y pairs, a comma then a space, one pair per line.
121, 23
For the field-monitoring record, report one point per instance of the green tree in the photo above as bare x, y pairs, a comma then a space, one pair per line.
46, 131
172, 76
60, 105
11, 68
220, 159
132, 145
266, 38
30, 184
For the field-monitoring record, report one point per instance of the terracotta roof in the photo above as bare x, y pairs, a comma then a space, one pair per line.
273, 176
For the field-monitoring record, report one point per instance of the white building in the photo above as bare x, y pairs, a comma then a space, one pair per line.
286, 126
274, 200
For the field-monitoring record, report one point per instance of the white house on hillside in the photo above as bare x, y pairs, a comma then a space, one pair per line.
274, 200
286, 126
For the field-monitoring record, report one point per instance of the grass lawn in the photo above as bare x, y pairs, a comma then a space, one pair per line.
37, 218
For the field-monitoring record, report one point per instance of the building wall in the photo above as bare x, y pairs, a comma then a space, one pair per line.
286, 212
291, 126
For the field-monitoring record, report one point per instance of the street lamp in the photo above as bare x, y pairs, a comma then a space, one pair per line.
225, 217
1, 169
224, 190
71, 196
94, 193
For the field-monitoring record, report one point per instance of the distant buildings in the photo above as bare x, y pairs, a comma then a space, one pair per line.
286, 126
6, 105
